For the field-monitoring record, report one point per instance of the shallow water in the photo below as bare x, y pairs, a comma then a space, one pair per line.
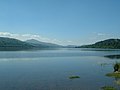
50, 69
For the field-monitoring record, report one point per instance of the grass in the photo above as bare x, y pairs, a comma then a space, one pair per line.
114, 74
117, 82
74, 77
108, 88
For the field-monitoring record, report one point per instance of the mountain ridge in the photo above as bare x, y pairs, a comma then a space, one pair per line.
37, 43
15, 44
105, 44
12, 44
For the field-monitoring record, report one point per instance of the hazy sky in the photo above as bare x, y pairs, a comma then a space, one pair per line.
61, 21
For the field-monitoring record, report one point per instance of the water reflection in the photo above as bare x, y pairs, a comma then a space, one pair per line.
49, 70
113, 56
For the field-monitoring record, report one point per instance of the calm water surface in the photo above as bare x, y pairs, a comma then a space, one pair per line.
50, 69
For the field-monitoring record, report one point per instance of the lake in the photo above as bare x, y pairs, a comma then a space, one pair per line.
51, 69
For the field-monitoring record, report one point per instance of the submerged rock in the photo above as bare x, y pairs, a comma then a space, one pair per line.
74, 77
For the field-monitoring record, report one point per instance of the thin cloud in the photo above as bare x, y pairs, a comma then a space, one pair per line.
101, 34
5, 34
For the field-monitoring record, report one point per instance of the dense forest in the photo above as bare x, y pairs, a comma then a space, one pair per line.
107, 44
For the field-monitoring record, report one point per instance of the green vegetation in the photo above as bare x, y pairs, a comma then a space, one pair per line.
74, 77
107, 44
117, 82
13, 44
116, 67
108, 88
114, 74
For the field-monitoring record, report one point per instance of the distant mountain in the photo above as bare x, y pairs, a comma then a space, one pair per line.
39, 44
13, 44
107, 44
70, 46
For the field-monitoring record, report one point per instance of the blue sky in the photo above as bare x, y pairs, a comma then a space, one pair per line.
61, 21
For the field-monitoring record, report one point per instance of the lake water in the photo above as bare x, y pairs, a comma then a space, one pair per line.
51, 69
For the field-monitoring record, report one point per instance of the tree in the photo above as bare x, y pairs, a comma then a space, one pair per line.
116, 67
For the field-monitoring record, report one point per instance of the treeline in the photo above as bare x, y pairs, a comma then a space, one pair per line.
108, 44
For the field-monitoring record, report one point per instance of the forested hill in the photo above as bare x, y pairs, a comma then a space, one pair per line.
13, 44
107, 44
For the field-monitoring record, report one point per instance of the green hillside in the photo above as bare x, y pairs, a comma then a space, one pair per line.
107, 44
13, 44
